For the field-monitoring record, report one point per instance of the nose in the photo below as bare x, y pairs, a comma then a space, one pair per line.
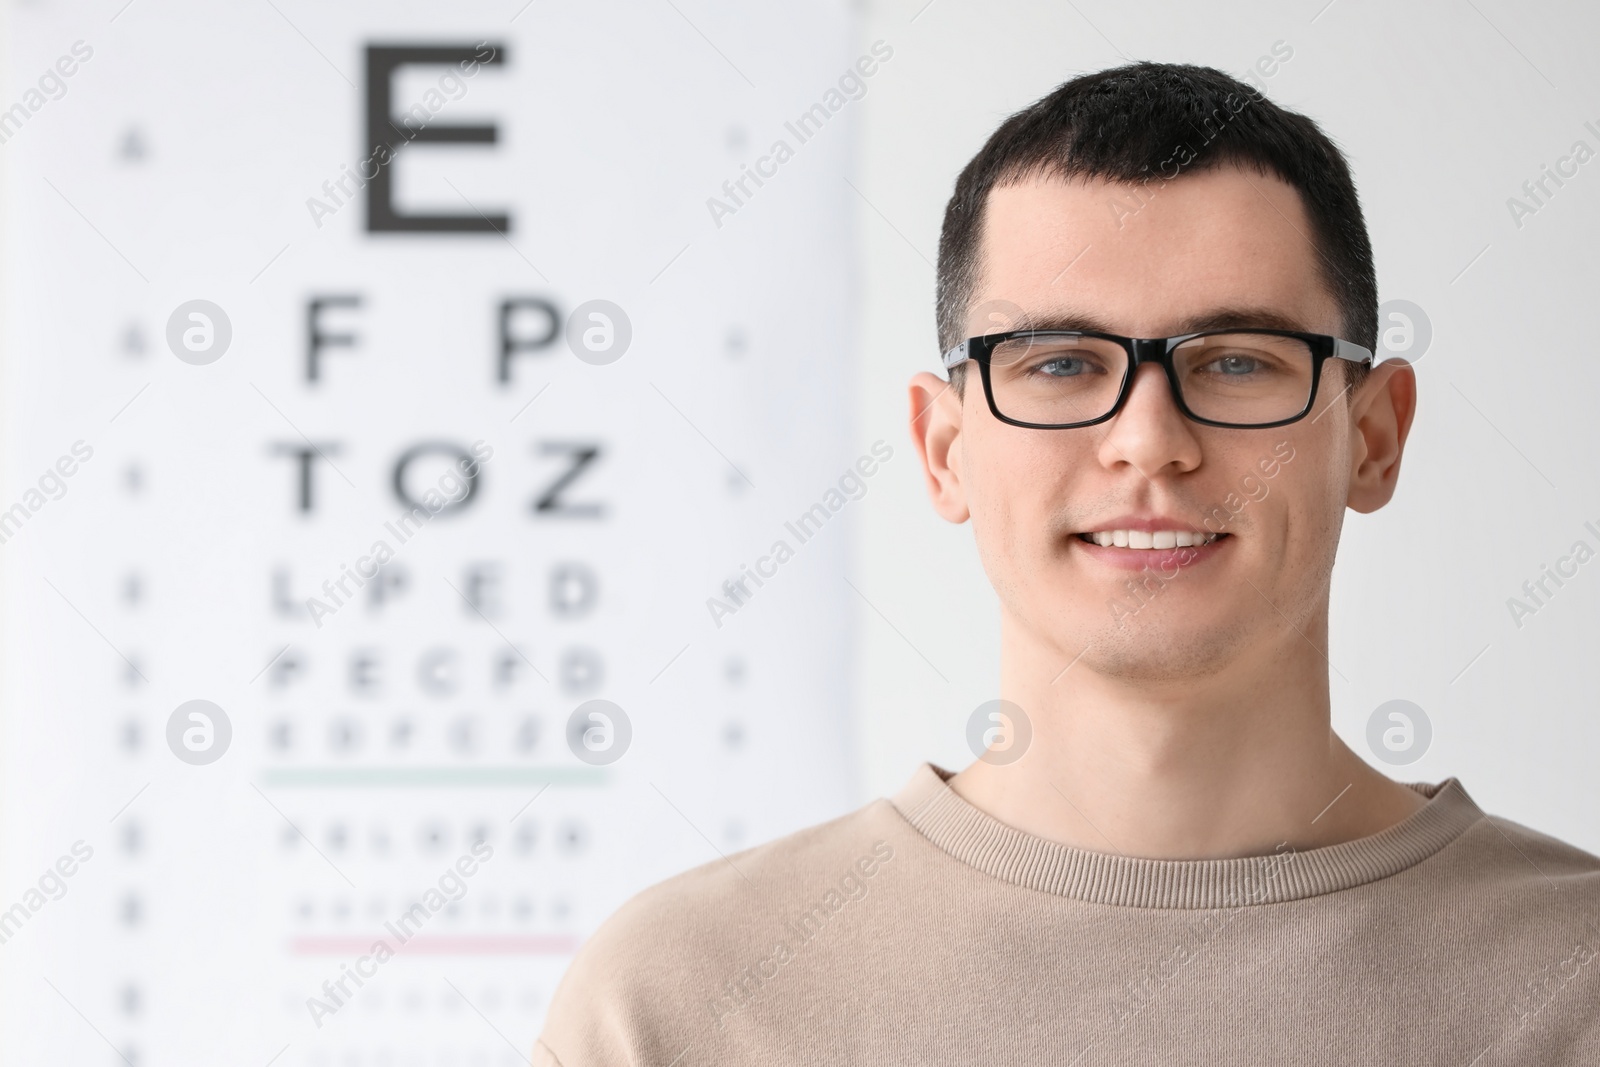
1150, 432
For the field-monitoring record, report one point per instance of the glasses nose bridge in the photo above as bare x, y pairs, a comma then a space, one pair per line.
1148, 350
1151, 350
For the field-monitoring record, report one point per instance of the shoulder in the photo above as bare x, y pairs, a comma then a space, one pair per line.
1526, 902
1517, 852
1536, 845
1519, 881
658, 967
693, 914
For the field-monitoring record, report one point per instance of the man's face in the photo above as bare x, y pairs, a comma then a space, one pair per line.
1208, 241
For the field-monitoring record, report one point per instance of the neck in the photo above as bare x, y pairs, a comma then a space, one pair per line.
1235, 763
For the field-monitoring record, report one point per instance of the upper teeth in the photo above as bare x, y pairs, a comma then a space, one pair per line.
1151, 538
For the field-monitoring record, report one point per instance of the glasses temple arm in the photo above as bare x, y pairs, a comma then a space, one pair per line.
1355, 353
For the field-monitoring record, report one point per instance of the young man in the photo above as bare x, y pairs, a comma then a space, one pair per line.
1168, 857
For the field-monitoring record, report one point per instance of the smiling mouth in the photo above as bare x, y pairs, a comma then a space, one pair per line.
1153, 540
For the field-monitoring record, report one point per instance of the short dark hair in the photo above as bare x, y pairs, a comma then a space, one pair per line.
1131, 124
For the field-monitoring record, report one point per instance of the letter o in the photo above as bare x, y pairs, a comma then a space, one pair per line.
453, 450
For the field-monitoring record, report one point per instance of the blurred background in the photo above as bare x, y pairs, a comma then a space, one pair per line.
405, 405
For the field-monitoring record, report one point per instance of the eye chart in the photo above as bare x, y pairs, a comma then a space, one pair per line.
403, 405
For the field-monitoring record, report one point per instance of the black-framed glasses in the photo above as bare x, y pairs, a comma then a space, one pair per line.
1245, 378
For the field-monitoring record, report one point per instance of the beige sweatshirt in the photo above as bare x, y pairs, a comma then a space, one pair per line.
919, 930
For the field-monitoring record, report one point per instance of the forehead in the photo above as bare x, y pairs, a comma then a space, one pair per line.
1147, 260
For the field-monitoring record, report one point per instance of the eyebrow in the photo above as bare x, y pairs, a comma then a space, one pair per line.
1265, 318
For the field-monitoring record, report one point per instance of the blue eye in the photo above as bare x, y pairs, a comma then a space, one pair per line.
1236, 360
1053, 367
1241, 364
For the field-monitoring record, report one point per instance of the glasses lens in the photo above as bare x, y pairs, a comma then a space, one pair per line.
1056, 378
1244, 378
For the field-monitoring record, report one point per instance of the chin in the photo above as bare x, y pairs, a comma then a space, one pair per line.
1164, 642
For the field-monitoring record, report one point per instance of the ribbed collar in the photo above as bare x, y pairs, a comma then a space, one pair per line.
979, 840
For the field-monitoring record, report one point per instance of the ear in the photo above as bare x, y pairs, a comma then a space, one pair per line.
936, 431
1380, 417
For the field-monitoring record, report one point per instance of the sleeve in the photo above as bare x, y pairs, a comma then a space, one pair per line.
610, 1008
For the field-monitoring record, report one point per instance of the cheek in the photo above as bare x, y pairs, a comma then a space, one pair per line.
1299, 520
1314, 487
1020, 486
991, 497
